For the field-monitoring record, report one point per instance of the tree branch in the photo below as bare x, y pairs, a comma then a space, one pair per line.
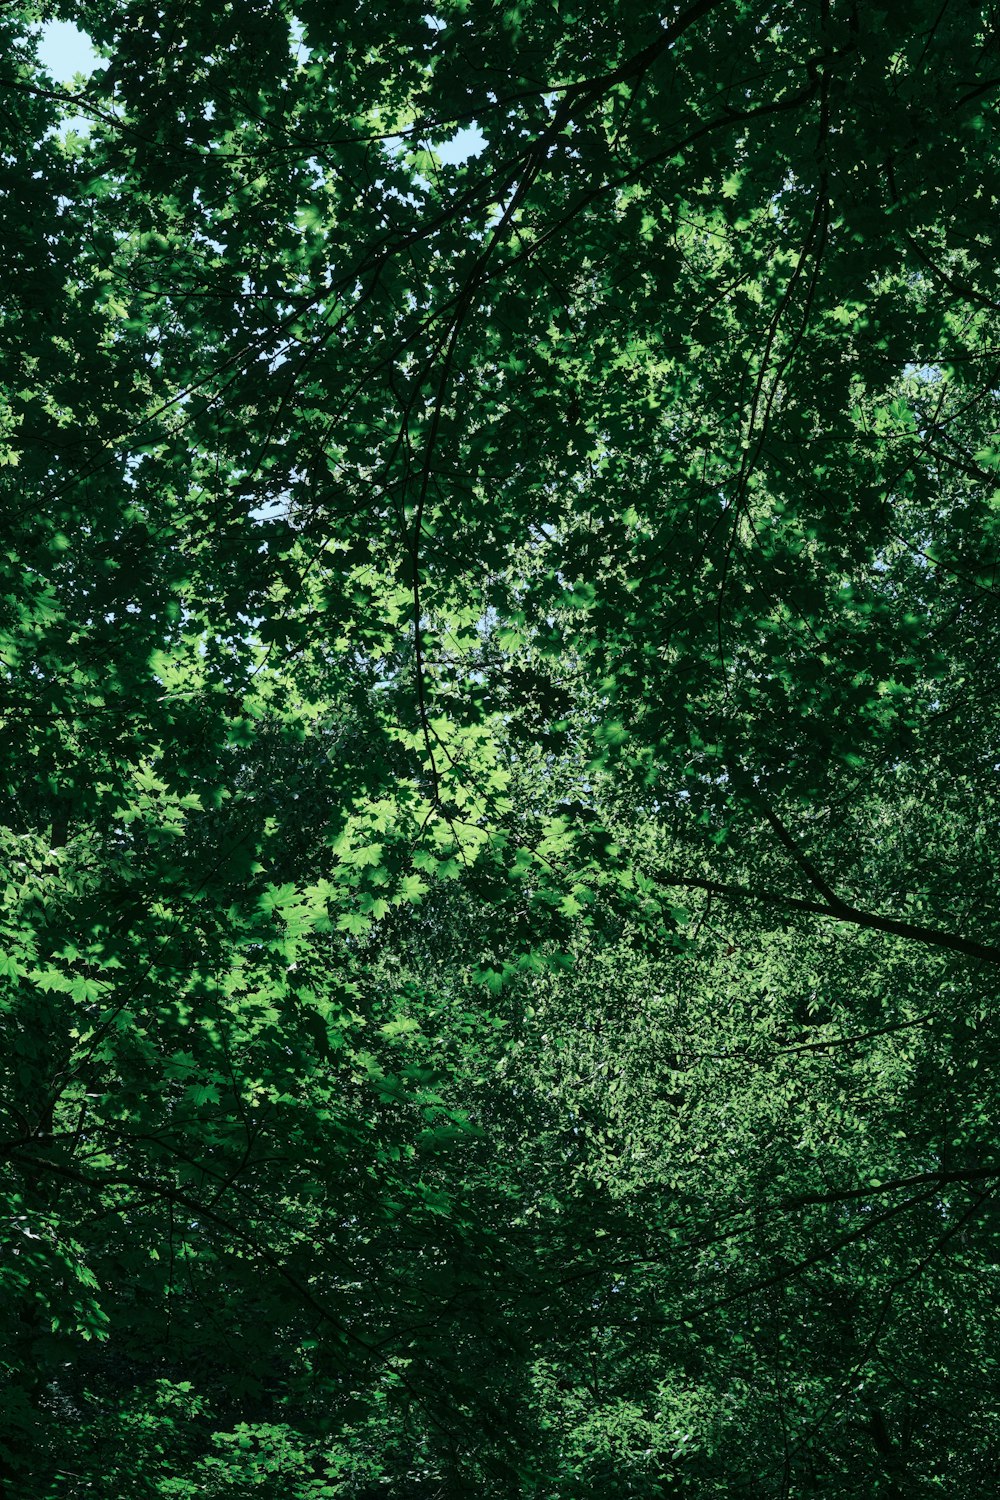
839, 911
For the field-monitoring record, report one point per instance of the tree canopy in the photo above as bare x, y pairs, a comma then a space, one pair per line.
498, 678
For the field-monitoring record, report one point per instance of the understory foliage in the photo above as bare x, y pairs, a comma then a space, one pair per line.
498, 675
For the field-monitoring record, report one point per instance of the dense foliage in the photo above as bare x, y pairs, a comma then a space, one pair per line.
498, 677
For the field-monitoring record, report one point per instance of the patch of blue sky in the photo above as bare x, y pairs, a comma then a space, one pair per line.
467, 142
928, 373
64, 50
